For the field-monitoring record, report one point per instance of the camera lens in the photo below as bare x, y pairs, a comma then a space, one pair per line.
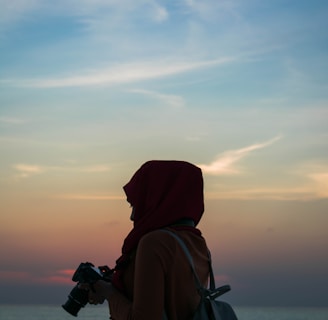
77, 299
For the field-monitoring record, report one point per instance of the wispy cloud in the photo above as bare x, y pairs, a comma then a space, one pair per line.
95, 197
121, 74
169, 99
312, 184
316, 175
315, 188
57, 276
95, 168
225, 163
27, 170
160, 13
301, 193
320, 180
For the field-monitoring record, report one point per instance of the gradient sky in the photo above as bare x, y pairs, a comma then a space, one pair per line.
91, 89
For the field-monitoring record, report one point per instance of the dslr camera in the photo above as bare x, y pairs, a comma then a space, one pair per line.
85, 273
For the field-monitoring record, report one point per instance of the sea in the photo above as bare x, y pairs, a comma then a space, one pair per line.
43, 312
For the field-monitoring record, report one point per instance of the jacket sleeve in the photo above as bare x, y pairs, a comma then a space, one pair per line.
149, 284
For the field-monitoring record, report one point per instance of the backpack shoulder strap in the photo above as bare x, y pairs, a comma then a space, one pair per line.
212, 292
191, 262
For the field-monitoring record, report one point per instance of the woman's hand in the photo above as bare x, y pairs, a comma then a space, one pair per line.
98, 291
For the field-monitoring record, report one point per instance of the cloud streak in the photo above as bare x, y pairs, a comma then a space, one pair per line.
58, 277
302, 193
27, 170
225, 163
172, 100
93, 197
320, 179
312, 185
121, 74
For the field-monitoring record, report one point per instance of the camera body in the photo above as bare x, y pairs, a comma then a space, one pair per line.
85, 273
88, 273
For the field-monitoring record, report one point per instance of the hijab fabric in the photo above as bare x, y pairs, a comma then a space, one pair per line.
161, 193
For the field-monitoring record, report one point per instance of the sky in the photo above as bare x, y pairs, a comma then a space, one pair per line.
91, 89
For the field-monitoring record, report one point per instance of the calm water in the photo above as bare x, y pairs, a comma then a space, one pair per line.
101, 312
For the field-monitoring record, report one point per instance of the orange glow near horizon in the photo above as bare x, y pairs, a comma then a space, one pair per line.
67, 238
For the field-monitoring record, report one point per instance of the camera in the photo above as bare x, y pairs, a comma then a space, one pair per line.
85, 273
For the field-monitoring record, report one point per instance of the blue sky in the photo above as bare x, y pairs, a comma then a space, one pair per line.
89, 90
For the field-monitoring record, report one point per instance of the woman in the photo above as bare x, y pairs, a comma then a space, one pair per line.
153, 276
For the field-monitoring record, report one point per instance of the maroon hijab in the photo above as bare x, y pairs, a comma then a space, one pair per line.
161, 193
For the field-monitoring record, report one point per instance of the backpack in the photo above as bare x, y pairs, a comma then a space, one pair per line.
208, 308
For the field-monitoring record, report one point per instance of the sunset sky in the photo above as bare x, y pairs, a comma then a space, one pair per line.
91, 89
